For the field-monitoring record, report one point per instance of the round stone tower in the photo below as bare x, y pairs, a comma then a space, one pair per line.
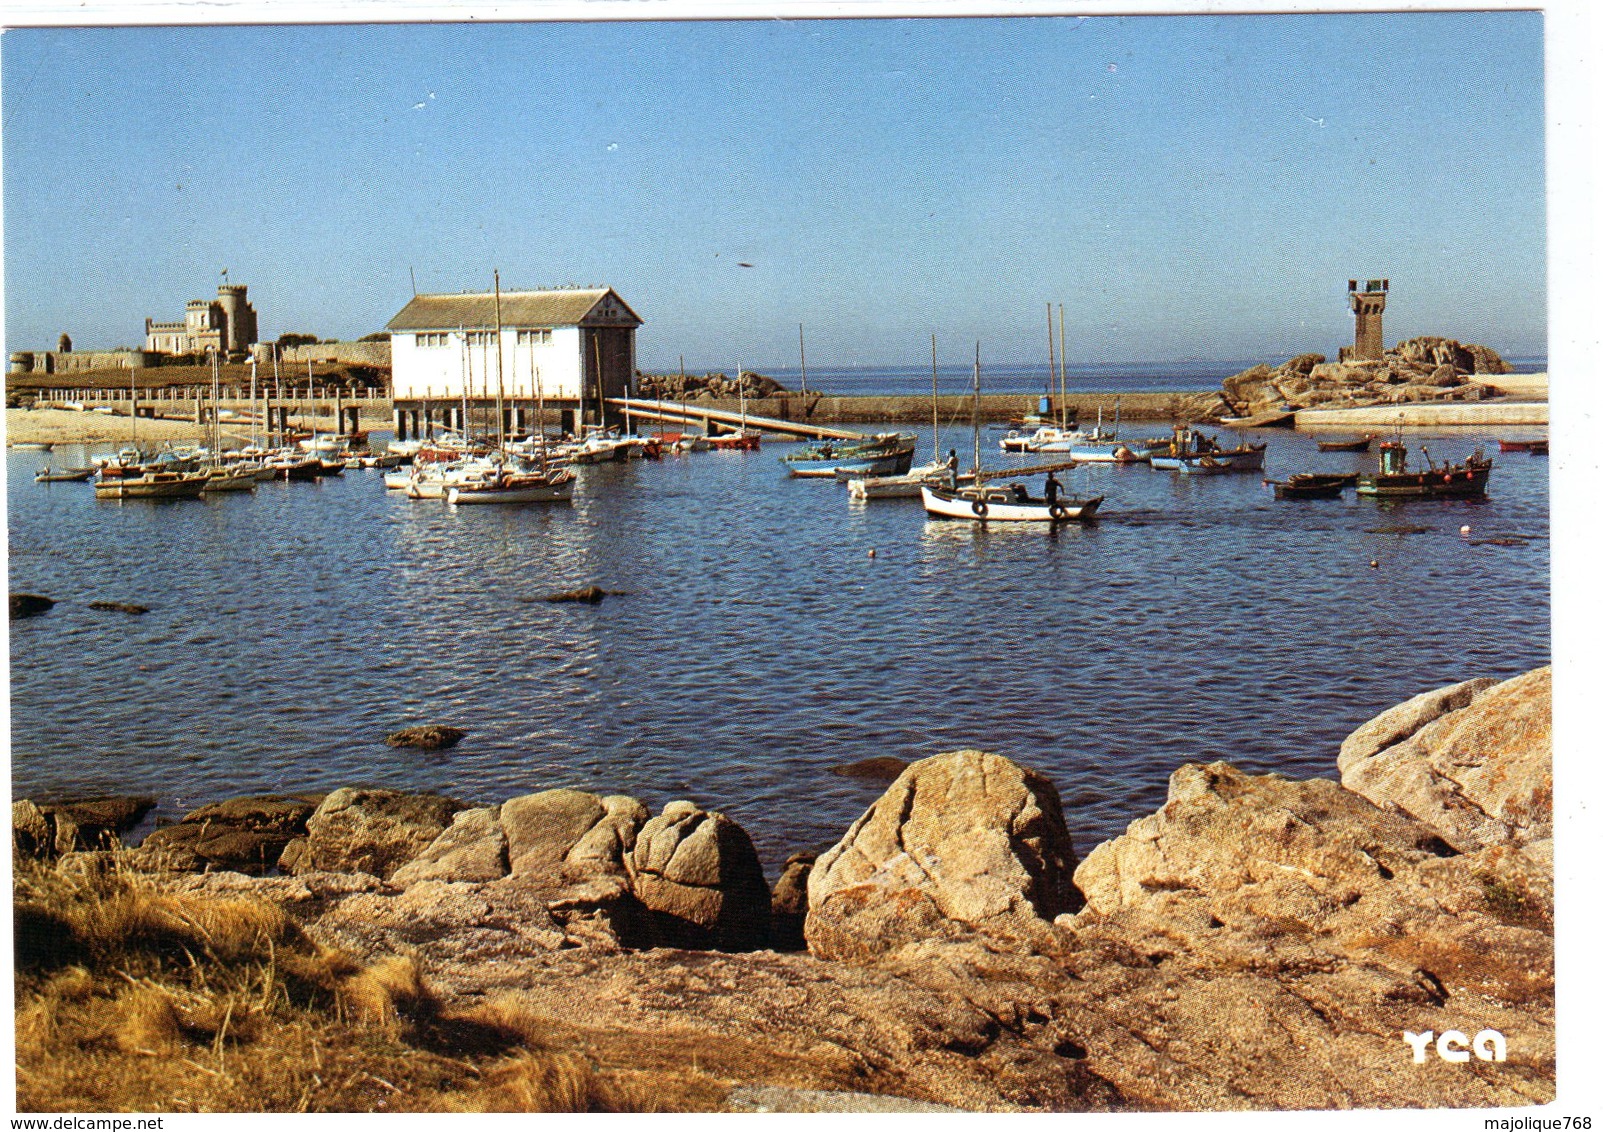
239, 319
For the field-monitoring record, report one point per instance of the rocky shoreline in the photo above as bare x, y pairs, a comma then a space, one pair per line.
1258, 942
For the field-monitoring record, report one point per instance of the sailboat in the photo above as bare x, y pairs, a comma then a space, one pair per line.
745, 440
985, 501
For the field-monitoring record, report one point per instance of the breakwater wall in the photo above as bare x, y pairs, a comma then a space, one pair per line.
954, 410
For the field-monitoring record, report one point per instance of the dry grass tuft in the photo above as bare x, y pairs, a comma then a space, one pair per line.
132, 999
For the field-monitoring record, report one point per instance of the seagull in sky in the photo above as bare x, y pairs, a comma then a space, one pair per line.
1320, 122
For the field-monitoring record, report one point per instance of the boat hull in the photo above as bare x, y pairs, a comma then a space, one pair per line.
158, 485
544, 491
997, 505
1456, 484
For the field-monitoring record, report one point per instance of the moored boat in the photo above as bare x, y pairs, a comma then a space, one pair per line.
1393, 479
153, 485
1360, 444
1312, 485
1534, 447
64, 475
238, 478
513, 487
886, 454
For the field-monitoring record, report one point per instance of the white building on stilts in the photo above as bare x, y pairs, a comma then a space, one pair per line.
573, 349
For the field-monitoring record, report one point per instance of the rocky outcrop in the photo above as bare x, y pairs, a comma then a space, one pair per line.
1257, 943
369, 831
704, 387
246, 835
426, 737
49, 829
962, 844
1472, 761
30, 605
788, 912
1419, 369
699, 875
1255, 919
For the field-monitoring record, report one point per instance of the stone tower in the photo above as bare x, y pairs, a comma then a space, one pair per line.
239, 319
1367, 305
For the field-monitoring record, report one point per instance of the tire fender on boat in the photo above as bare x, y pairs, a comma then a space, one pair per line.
980, 509
1058, 511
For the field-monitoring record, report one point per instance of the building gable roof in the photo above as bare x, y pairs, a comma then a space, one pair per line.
594, 307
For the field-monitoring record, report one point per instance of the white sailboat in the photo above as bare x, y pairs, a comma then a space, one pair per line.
984, 501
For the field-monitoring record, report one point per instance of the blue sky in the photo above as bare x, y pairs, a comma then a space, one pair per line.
1186, 186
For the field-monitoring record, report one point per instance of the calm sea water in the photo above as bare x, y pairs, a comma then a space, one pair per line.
757, 644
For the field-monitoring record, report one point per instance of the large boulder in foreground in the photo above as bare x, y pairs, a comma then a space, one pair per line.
1473, 761
699, 875
961, 844
370, 831
1254, 920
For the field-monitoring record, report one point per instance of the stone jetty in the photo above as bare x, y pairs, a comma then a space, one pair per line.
1258, 942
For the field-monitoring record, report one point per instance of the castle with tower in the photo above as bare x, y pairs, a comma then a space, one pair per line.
226, 324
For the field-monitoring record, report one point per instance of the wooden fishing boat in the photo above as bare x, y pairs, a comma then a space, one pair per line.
1203, 466
886, 454
153, 485
1361, 444
1394, 480
1534, 447
1312, 485
65, 475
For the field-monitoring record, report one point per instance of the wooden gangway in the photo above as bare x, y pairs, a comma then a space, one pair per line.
675, 412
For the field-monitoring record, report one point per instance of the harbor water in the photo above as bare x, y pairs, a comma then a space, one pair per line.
762, 630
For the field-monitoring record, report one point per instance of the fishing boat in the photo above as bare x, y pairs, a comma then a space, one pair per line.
31, 445
65, 475
153, 485
287, 466
1534, 447
1393, 479
1361, 444
1312, 485
884, 454
1203, 466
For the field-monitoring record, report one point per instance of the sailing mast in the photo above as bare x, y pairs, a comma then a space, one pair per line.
801, 334
500, 391
278, 395
539, 400
1063, 364
255, 442
1051, 358
935, 408
976, 413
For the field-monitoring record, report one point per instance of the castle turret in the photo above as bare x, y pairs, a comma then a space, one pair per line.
1367, 306
239, 319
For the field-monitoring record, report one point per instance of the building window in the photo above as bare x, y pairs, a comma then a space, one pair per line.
433, 339
534, 337
481, 338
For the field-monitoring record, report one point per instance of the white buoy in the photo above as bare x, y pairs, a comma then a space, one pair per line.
872, 552
1464, 530
1374, 564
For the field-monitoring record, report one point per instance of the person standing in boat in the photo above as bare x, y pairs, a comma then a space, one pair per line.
951, 466
1052, 488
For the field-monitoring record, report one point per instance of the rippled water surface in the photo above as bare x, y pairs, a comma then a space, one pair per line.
757, 644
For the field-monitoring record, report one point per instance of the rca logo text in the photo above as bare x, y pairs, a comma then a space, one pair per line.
1455, 1045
